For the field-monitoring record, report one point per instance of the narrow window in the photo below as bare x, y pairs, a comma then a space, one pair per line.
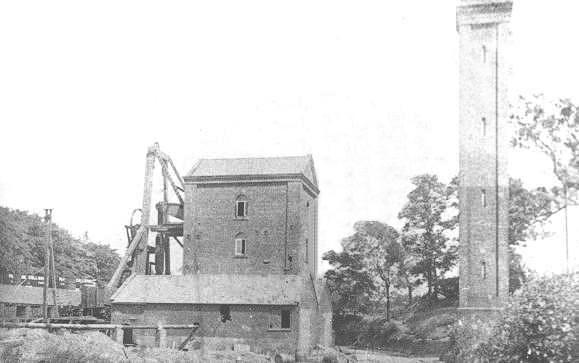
20, 311
483, 270
483, 198
280, 319
241, 209
240, 247
307, 251
484, 53
285, 319
483, 122
224, 313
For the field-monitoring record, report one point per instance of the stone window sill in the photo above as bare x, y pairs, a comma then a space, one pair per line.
240, 218
239, 256
276, 330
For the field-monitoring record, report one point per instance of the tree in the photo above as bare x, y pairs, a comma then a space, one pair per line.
105, 259
377, 245
553, 129
349, 282
527, 210
430, 218
23, 239
373, 251
406, 264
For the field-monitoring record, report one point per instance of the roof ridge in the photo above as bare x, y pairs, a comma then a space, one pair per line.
260, 157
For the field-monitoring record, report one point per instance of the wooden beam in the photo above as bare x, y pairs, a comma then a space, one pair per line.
141, 258
176, 173
112, 285
167, 176
5, 324
179, 242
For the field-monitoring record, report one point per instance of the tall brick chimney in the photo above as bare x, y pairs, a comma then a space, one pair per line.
483, 27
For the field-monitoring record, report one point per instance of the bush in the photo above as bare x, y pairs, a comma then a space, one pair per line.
448, 287
359, 331
377, 333
539, 324
435, 327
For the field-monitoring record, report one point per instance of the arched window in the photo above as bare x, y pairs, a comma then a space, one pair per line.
240, 245
241, 206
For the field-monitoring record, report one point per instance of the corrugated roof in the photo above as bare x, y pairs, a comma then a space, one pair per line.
210, 289
32, 295
290, 165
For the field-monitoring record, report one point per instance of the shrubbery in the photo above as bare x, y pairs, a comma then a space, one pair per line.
357, 331
539, 324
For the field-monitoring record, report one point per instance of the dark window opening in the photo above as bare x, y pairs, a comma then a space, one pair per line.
484, 126
484, 54
224, 313
240, 247
483, 270
307, 204
20, 311
128, 337
241, 209
307, 251
285, 319
483, 198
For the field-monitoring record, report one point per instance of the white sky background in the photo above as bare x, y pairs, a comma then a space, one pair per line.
369, 88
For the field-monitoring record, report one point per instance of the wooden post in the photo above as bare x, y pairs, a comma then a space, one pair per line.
162, 334
142, 253
52, 268
159, 256
167, 254
119, 334
47, 217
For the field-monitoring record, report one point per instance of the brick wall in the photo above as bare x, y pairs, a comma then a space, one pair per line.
308, 209
211, 228
483, 161
249, 324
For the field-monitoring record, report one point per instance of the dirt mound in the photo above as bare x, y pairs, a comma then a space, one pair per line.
36, 345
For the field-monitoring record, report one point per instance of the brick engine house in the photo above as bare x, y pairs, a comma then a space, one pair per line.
250, 243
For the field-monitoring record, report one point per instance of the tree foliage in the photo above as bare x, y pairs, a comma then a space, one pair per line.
366, 269
553, 129
349, 283
379, 250
539, 324
528, 209
23, 239
430, 218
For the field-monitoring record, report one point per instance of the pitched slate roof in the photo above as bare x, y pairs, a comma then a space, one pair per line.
210, 289
31, 295
207, 169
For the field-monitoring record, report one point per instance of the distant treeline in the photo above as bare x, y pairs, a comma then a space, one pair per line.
22, 242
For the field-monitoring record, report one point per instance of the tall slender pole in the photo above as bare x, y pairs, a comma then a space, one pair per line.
566, 230
53, 269
47, 218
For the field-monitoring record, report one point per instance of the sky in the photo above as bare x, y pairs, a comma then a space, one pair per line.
370, 89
